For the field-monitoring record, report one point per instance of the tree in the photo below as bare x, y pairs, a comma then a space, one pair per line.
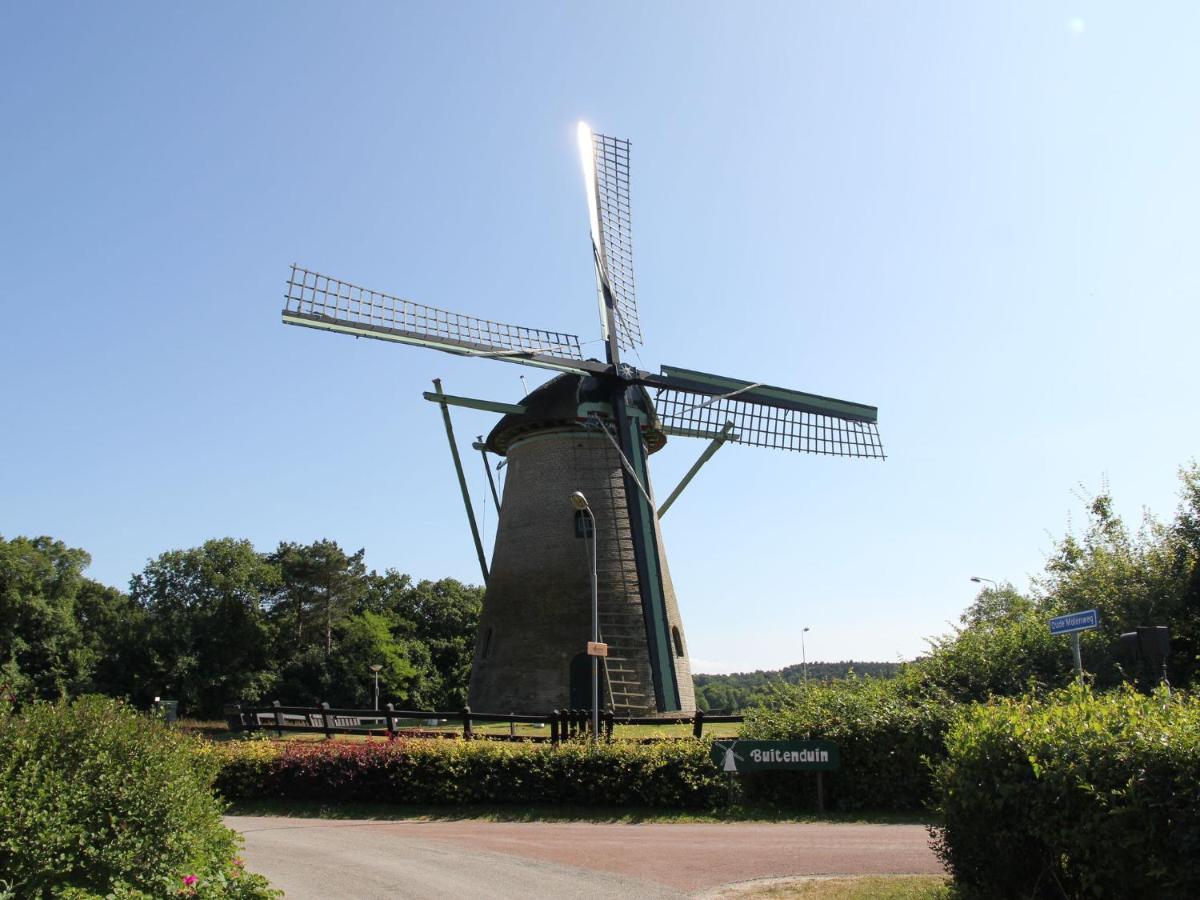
113, 628
42, 649
318, 581
207, 633
1151, 577
443, 616
366, 639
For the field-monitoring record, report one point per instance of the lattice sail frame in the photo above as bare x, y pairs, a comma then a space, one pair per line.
612, 190
757, 425
320, 298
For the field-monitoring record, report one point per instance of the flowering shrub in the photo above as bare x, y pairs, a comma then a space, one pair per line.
672, 774
97, 800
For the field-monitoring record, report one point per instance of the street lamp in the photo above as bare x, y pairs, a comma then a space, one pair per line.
580, 503
804, 654
375, 669
978, 580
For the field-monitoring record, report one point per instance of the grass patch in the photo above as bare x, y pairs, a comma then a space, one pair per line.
315, 809
865, 887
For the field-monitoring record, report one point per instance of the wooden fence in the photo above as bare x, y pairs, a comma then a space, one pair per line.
563, 724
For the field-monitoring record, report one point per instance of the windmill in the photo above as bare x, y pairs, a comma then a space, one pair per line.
589, 429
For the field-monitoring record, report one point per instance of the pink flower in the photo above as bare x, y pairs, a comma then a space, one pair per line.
190, 880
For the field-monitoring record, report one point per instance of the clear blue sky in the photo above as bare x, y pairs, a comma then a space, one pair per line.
981, 218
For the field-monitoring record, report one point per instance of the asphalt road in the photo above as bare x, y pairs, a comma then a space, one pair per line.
324, 859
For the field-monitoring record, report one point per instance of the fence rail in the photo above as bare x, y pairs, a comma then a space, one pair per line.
564, 724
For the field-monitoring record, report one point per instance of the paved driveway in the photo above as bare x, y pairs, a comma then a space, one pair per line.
325, 859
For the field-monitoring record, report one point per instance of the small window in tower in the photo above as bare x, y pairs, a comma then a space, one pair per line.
487, 644
678, 641
583, 524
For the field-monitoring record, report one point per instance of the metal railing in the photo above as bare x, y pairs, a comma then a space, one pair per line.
562, 724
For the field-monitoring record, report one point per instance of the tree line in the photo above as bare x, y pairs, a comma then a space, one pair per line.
305, 622
742, 690
222, 621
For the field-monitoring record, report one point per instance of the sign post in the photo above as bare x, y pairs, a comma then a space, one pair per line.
1073, 624
740, 757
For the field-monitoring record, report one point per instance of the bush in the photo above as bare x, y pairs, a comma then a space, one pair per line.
886, 732
1081, 795
97, 799
1007, 658
671, 774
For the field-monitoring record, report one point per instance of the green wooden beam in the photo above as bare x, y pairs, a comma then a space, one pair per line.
704, 382
472, 403
462, 480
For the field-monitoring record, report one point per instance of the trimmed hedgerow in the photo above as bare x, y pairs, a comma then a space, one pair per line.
1080, 795
98, 800
667, 774
886, 731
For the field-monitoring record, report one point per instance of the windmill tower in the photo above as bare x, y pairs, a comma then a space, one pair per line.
590, 429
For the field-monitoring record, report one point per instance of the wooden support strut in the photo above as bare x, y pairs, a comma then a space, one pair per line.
482, 448
716, 444
462, 481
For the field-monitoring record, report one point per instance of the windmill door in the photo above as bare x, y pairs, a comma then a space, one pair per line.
581, 683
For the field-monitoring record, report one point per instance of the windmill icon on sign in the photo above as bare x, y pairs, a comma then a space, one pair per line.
730, 759
589, 430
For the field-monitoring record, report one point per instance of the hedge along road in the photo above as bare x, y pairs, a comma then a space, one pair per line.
367, 858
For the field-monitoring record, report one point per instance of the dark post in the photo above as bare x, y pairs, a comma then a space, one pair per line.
467, 732
698, 724
233, 716
555, 716
391, 721
608, 723
325, 720
820, 792
278, 719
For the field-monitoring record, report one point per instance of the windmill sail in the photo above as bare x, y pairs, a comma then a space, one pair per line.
606, 174
696, 404
318, 301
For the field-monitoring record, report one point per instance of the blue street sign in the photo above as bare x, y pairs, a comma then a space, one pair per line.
1076, 621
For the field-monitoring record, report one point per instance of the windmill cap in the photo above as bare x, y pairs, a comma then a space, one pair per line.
563, 402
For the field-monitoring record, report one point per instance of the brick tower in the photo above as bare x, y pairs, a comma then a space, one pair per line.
536, 619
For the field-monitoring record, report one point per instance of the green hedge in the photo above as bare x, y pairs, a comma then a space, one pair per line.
96, 800
1081, 795
669, 774
886, 732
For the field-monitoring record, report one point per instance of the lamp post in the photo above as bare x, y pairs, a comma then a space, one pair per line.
375, 669
580, 503
804, 654
978, 580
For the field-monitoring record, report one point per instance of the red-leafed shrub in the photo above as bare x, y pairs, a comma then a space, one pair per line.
676, 774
